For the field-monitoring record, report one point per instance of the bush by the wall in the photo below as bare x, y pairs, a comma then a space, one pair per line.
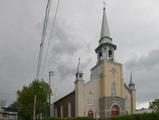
77, 118
145, 116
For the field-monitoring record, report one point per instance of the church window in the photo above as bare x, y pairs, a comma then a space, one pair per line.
61, 111
126, 103
100, 54
110, 55
90, 99
69, 109
113, 89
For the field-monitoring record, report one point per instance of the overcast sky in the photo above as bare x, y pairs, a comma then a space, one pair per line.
134, 28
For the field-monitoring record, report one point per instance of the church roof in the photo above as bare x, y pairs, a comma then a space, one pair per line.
65, 96
105, 33
109, 44
125, 85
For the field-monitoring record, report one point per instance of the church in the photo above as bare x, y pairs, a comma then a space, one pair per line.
105, 94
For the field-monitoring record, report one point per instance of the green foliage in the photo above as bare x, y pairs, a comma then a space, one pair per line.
77, 118
155, 105
145, 116
13, 107
25, 99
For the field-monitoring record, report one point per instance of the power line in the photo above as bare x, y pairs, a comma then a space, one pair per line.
43, 38
50, 35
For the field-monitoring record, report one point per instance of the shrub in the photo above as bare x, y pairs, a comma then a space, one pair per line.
145, 116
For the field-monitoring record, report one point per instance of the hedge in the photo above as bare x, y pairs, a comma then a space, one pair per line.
77, 118
145, 116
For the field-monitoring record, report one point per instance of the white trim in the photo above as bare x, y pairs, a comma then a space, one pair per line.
113, 105
69, 109
61, 111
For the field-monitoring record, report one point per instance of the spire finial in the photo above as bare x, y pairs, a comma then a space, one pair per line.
131, 84
104, 4
130, 77
79, 75
78, 65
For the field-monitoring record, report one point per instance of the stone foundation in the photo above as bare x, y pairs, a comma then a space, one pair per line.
106, 104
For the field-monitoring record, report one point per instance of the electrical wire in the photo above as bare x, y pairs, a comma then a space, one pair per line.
50, 36
43, 38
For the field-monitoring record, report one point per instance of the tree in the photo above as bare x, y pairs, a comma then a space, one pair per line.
155, 105
13, 107
25, 99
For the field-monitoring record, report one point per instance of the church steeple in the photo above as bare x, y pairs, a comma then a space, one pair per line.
105, 33
131, 78
131, 84
105, 50
79, 75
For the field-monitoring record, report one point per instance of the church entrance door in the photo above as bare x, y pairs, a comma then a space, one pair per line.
115, 111
90, 113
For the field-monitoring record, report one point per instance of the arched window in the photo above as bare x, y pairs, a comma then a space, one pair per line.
113, 89
100, 56
90, 99
126, 103
110, 55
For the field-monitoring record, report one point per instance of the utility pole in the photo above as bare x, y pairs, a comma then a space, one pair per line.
34, 109
51, 74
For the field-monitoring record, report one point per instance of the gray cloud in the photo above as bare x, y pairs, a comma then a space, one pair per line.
65, 40
146, 62
66, 49
145, 75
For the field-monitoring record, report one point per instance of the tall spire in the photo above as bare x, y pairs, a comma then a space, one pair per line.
131, 84
105, 33
78, 67
79, 75
130, 77
106, 49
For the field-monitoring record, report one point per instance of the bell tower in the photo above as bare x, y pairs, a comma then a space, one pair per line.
109, 73
105, 50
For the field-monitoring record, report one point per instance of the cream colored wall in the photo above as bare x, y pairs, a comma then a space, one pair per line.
101, 88
108, 78
79, 98
94, 87
133, 101
128, 94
